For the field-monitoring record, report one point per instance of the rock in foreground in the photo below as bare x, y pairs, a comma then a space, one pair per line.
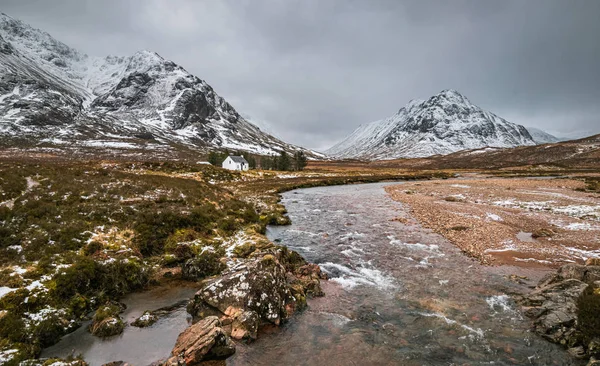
203, 341
265, 287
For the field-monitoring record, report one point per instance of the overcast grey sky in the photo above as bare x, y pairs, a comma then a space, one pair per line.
311, 71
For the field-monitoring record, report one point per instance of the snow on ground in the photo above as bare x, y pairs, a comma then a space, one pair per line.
460, 186
494, 217
577, 211
8, 355
6, 290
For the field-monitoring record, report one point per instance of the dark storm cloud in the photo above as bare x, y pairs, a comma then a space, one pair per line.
313, 70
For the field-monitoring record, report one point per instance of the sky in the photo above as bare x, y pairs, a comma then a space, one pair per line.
312, 71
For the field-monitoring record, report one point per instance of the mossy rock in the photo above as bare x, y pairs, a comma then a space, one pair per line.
108, 327
147, 319
297, 290
245, 326
106, 321
290, 259
244, 250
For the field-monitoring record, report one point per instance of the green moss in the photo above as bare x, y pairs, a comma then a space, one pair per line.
92, 248
106, 321
79, 305
207, 263
180, 236
588, 321
268, 260
244, 250
108, 310
9, 279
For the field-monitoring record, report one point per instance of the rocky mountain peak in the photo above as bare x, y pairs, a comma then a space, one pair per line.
442, 124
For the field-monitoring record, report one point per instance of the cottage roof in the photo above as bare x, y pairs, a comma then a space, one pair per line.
238, 159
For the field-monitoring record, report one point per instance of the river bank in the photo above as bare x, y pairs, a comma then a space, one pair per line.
517, 221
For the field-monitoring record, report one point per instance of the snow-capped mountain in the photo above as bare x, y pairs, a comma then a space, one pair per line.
53, 95
542, 137
443, 124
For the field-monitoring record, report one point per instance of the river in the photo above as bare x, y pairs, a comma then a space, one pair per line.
399, 294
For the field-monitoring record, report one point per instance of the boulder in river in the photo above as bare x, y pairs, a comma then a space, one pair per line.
147, 319
203, 341
106, 321
258, 285
267, 287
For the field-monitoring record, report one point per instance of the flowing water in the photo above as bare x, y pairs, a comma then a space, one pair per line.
398, 295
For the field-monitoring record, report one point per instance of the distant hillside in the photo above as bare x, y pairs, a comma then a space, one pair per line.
583, 153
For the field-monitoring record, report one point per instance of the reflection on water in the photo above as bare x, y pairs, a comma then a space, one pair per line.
137, 346
399, 294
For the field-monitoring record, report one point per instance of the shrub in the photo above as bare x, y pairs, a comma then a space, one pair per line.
82, 277
154, 228
453, 199
180, 236
7, 279
208, 263
228, 225
8, 237
12, 328
92, 248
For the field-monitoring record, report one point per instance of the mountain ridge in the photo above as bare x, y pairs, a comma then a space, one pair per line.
52, 95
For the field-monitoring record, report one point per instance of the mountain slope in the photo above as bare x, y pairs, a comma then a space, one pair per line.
445, 123
573, 154
54, 96
542, 137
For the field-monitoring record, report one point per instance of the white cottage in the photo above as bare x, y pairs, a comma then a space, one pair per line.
236, 163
